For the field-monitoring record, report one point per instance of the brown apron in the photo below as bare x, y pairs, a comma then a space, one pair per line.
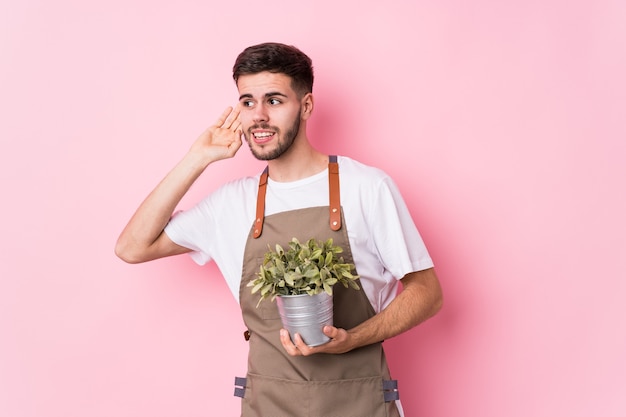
353, 384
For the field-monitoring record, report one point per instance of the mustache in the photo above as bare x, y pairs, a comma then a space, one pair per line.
262, 126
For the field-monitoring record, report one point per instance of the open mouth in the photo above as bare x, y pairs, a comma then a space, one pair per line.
263, 136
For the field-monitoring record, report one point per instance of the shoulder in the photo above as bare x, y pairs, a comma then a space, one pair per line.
233, 199
241, 188
358, 177
368, 186
356, 170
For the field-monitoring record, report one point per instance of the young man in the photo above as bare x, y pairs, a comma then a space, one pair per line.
348, 376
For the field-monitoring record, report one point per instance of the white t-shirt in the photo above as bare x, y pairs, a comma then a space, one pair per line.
384, 241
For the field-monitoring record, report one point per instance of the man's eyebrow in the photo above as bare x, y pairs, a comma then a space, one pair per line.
267, 95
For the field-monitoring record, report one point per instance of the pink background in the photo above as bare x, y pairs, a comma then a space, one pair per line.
502, 122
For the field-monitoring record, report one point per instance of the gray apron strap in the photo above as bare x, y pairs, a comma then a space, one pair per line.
390, 389
240, 387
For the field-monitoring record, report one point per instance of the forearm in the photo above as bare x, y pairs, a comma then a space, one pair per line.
420, 299
147, 224
143, 238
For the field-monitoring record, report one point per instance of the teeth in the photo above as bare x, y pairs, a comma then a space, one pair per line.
262, 135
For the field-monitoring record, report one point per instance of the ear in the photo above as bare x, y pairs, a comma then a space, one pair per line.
307, 106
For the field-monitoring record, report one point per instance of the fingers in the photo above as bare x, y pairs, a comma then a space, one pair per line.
339, 343
232, 121
222, 119
236, 144
297, 347
235, 126
331, 331
229, 119
288, 344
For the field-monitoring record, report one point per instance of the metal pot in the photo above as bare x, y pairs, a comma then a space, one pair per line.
306, 315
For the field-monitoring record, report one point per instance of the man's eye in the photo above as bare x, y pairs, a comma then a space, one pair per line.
247, 103
274, 101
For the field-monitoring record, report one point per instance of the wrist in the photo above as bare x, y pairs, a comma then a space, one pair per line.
197, 161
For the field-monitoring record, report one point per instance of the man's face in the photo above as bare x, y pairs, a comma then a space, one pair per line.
270, 113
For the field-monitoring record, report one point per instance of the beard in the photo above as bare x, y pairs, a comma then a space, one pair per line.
282, 144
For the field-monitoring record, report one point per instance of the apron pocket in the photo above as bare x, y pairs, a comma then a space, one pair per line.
276, 397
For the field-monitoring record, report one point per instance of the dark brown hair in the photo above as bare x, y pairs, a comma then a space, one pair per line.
277, 58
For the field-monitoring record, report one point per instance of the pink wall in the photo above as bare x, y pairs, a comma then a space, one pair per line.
503, 123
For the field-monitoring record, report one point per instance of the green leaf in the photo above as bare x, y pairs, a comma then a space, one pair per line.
312, 273
266, 289
347, 274
257, 287
289, 278
330, 281
329, 259
307, 268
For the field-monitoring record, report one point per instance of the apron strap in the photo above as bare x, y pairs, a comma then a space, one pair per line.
390, 390
333, 191
240, 387
260, 205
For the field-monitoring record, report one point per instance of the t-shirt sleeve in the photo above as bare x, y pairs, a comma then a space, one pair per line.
216, 228
183, 230
395, 235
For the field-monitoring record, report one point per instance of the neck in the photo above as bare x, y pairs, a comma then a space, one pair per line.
300, 161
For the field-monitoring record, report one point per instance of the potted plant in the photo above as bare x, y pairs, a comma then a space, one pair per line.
302, 277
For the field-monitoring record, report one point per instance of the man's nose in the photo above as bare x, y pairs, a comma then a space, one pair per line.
260, 113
